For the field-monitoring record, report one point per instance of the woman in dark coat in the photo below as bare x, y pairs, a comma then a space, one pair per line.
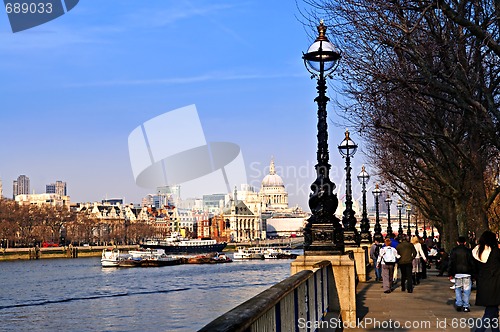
488, 280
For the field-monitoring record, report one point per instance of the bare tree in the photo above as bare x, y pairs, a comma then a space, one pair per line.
422, 80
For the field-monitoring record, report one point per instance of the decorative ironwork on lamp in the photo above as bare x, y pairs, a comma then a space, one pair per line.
365, 235
400, 229
347, 149
388, 201
408, 212
377, 234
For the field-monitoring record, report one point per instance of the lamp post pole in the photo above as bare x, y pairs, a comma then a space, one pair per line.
388, 200
323, 232
416, 226
366, 237
347, 149
377, 229
408, 211
424, 235
127, 224
400, 229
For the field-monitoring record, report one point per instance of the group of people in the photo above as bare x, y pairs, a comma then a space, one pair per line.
409, 257
464, 265
482, 264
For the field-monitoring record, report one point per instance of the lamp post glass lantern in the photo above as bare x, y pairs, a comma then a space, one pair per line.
365, 235
377, 234
400, 229
388, 200
323, 233
347, 149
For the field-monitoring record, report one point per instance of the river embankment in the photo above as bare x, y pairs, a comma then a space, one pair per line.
7, 254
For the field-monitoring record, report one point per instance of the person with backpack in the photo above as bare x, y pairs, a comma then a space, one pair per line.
407, 252
462, 268
374, 253
387, 260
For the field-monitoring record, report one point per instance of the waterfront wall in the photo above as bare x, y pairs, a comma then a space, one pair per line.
290, 305
56, 252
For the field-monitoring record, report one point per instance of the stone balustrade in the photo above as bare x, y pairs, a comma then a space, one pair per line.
291, 305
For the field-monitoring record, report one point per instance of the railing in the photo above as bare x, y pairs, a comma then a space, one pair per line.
290, 305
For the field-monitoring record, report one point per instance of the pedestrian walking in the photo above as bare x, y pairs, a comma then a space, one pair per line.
488, 280
387, 259
424, 260
417, 261
374, 253
394, 244
461, 267
407, 253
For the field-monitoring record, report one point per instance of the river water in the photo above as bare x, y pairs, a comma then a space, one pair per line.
80, 295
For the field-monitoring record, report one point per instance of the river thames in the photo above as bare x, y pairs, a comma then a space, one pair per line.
80, 295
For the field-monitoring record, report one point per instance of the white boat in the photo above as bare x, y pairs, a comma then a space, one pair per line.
248, 253
149, 257
278, 253
176, 244
111, 257
148, 253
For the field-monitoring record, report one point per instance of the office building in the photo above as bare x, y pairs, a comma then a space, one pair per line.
21, 186
56, 188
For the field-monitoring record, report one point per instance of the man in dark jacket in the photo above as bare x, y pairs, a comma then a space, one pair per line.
407, 252
461, 266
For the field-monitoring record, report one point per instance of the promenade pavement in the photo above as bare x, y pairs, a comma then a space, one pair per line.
430, 307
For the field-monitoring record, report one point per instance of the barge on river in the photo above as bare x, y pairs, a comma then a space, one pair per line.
177, 245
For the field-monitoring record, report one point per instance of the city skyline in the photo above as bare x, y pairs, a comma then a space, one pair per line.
79, 85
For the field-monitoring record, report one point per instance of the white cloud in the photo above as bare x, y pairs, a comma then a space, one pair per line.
187, 80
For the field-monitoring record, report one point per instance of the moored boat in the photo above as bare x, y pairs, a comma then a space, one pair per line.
149, 258
248, 253
212, 258
278, 253
111, 257
176, 244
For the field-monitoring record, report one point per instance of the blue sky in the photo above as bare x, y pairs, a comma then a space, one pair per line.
73, 89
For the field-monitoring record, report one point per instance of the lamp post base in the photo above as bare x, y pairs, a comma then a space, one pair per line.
326, 240
366, 237
351, 238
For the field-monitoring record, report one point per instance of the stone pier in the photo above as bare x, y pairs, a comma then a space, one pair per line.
344, 274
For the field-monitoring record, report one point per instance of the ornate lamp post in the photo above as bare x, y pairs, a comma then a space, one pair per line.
127, 224
424, 235
416, 226
408, 212
377, 229
388, 201
323, 232
400, 229
366, 237
347, 149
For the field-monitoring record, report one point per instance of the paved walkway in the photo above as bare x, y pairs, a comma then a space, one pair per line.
430, 307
